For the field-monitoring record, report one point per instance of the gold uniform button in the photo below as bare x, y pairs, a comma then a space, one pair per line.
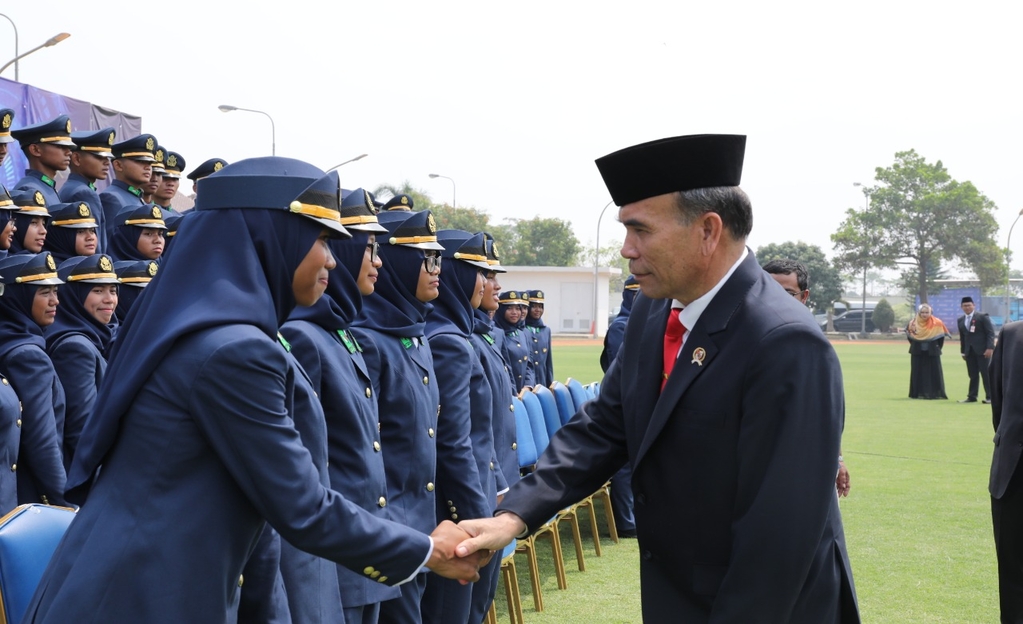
19, 422
426, 380
382, 502
376, 573
430, 432
511, 407
14, 467
369, 393
454, 516
376, 446
368, 570
429, 487
382, 579
545, 349
6, 383
491, 465
241, 580
515, 446
518, 344
453, 510
450, 503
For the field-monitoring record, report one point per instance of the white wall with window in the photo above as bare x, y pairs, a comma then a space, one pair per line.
569, 305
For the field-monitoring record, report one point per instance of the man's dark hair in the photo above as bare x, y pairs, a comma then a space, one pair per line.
788, 267
730, 203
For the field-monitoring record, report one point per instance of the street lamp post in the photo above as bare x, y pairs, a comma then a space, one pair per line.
596, 264
225, 108
350, 160
1008, 239
863, 310
454, 190
52, 41
16, 55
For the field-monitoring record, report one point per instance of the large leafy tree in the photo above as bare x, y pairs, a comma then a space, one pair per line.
825, 280
919, 216
539, 242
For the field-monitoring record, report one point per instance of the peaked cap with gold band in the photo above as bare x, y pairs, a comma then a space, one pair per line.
6, 119
159, 155
76, 215
493, 258
173, 165
172, 220
137, 273
136, 148
6, 201
670, 165
96, 142
30, 269
145, 216
30, 202
261, 183
410, 229
359, 213
54, 132
631, 283
401, 201
461, 245
207, 168
94, 269
534, 296
513, 297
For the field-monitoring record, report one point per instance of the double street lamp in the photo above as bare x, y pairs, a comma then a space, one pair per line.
226, 108
454, 190
350, 160
52, 41
863, 311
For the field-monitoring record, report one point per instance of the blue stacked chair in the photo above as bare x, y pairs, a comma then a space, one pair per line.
579, 394
29, 535
551, 417
537, 425
563, 399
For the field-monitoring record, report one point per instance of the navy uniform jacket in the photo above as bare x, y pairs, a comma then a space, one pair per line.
613, 341
408, 399
35, 181
207, 450
539, 337
733, 464
310, 581
1006, 408
41, 473
516, 353
10, 438
339, 375
80, 367
79, 189
114, 198
496, 372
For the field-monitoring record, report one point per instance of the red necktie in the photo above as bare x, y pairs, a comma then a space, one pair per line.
672, 343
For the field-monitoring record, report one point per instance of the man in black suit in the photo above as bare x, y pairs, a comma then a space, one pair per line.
1006, 484
733, 437
976, 343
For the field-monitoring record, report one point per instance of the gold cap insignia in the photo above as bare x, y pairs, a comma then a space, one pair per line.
104, 263
539, 294
68, 126
150, 144
153, 268
157, 214
698, 356
493, 250
217, 166
110, 139
158, 155
7, 121
431, 223
50, 263
83, 210
404, 200
39, 199
172, 161
513, 295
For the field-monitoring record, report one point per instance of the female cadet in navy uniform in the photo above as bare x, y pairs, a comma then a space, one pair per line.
28, 304
137, 233
30, 221
7, 226
391, 329
192, 444
539, 336
77, 341
466, 462
10, 439
133, 275
332, 358
510, 319
72, 231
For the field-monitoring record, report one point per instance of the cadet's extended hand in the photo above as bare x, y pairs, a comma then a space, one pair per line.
489, 533
443, 560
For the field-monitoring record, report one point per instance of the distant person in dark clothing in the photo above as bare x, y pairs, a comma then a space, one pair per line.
976, 343
926, 334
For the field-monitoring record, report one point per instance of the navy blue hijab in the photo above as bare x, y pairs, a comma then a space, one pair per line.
72, 317
22, 221
17, 327
452, 309
341, 302
234, 265
124, 243
501, 322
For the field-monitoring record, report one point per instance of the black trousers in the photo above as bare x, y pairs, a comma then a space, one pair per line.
976, 362
1007, 518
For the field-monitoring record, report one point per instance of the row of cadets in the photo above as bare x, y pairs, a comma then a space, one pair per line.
332, 358
467, 467
391, 328
511, 319
540, 337
28, 304
133, 166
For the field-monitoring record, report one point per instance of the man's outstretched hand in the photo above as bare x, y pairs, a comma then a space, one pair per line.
489, 534
443, 560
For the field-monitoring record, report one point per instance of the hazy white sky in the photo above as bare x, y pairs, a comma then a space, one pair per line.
515, 101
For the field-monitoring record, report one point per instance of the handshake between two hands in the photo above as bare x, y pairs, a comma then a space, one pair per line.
460, 550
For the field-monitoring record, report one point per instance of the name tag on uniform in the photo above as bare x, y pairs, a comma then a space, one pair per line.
973, 328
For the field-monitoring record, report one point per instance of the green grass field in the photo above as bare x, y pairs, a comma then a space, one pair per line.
917, 520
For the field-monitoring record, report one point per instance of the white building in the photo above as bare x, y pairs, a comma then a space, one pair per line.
568, 293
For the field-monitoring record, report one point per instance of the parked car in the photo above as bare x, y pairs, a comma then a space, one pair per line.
851, 321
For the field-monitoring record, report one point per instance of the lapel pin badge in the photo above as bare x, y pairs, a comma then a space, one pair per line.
698, 355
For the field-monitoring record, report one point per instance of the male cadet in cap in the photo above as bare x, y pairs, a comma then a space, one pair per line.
90, 161
6, 119
133, 166
47, 147
400, 202
149, 188
207, 168
725, 398
539, 336
168, 187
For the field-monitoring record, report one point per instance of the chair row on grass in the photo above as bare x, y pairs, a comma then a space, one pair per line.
539, 413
